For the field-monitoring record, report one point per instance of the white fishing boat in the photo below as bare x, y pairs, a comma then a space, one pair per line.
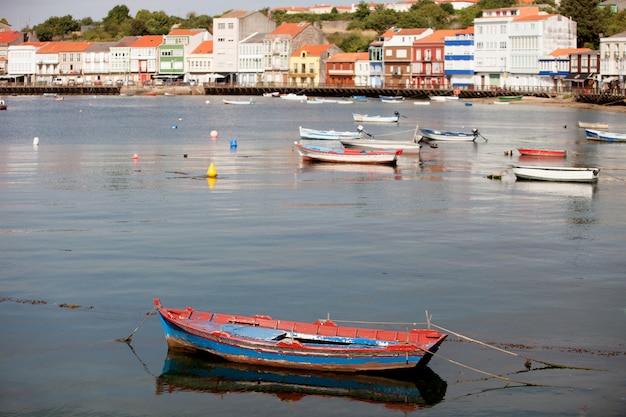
412, 146
306, 133
555, 173
593, 125
365, 118
294, 97
238, 102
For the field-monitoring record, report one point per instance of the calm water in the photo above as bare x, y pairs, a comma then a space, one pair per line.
535, 268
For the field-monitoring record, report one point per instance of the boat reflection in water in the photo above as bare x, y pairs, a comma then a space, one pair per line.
186, 371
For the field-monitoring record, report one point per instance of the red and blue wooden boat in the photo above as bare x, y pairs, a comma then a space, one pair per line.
322, 345
542, 152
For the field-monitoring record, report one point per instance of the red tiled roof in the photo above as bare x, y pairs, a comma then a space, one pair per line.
403, 32
205, 47
440, 35
9, 36
291, 29
313, 50
56, 47
568, 51
147, 41
345, 57
185, 32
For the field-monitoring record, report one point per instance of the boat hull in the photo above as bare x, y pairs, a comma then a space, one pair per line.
593, 125
327, 134
364, 118
346, 155
558, 174
542, 152
604, 136
323, 346
448, 136
375, 144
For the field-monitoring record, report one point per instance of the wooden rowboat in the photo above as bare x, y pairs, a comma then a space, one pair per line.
604, 136
560, 174
542, 152
354, 156
322, 345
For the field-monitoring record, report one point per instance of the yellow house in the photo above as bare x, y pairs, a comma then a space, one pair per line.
307, 65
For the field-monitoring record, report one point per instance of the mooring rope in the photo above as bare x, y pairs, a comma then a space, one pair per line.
489, 374
528, 359
130, 337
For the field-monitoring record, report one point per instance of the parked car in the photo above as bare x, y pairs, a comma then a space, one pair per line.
108, 82
58, 81
158, 82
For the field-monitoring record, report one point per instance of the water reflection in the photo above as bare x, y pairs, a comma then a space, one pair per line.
183, 371
563, 189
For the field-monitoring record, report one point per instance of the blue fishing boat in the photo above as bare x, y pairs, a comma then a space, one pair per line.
604, 136
322, 345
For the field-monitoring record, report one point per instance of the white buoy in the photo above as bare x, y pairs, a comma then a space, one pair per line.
214, 134
36, 141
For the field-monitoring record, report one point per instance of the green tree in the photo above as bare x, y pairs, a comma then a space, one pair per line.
381, 19
362, 12
589, 18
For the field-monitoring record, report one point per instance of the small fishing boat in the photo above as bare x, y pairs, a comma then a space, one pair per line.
358, 98
542, 152
593, 125
349, 155
443, 98
408, 147
365, 118
510, 98
554, 173
604, 136
3, 104
322, 345
450, 136
238, 102
306, 133
294, 97
391, 99
421, 103
184, 372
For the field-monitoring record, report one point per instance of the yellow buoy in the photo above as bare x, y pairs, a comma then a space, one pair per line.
211, 172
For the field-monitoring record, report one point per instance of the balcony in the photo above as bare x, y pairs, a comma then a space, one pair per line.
340, 72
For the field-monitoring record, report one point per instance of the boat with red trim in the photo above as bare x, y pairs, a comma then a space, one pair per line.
322, 345
542, 152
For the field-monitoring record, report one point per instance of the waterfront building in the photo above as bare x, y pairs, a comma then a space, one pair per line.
612, 57
176, 44
429, 59
251, 60
280, 43
144, 57
397, 53
459, 58
341, 69
200, 64
308, 64
230, 29
119, 63
96, 67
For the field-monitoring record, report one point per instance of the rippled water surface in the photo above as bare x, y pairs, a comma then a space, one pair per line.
91, 235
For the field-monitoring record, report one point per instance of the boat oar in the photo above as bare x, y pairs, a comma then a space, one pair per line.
130, 336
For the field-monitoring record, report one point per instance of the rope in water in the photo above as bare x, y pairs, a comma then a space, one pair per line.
130, 337
430, 324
